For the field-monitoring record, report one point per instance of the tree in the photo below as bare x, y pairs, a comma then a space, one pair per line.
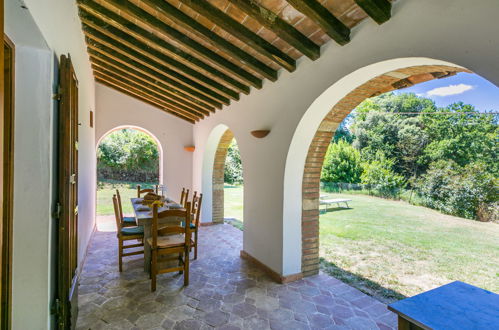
378, 174
233, 172
128, 154
341, 164
463, 135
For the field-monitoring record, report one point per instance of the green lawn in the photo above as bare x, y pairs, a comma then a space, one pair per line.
106, 190
391, 248
233, 202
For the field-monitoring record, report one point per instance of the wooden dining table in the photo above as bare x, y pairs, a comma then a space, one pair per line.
143, 217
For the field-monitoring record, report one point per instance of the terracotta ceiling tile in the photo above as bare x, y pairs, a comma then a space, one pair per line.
291, 15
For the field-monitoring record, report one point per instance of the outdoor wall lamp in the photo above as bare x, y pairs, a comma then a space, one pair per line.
259, 134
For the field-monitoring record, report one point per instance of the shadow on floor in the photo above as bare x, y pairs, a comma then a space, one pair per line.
377, 291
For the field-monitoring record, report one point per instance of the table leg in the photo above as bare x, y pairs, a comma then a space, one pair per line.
147, 249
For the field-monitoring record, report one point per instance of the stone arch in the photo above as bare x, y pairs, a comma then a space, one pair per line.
156, 140
218, 176
313, 134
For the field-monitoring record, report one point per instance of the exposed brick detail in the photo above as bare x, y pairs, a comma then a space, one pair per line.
218, 176
318, 147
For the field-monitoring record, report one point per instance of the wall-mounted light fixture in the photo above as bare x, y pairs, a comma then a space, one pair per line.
259, 134
190, 148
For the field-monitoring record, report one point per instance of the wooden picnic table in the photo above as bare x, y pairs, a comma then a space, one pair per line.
143, 217
453, 306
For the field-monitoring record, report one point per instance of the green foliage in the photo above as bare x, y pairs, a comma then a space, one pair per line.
378, 174
464, 137
128, 152
458, 190
233, 172
404, 140
342, 163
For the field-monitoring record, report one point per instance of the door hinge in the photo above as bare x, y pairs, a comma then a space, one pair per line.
76, 210
76, 145
56, 307
57, 96
57, 211
72, 179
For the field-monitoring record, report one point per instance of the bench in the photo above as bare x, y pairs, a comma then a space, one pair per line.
336, 201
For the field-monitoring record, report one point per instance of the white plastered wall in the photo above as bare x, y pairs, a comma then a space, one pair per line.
41, 33
454, 31
115, 109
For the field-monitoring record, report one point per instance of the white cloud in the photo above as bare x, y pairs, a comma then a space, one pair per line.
449, 90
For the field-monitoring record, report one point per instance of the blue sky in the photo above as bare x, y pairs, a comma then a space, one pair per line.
466, 87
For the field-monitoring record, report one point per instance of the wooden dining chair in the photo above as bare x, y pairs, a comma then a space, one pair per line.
126, 234
145, 191
195, 221
184, 197
126, 221
170, 244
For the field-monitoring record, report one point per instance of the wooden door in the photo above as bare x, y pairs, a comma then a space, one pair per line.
7, 178
66, 306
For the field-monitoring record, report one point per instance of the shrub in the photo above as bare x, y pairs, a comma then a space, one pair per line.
341, 164
458, 190
381, 178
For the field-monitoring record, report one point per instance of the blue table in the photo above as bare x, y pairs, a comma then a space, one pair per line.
456, 305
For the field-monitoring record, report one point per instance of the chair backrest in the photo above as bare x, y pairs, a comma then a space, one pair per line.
184, 217
117, 214
196, 208
120, 206
142, 191
184, 197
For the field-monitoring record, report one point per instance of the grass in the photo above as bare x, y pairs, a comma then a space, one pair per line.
391, 249
233, 202
106, 190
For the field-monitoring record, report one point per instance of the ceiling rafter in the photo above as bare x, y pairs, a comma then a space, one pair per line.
99, 65
379, 10
218, 17
157, 56
107, 18
334, 28
158, 25
214, 39
181, 82
284, 30
140, 96
166, 90
147, 89
97, 49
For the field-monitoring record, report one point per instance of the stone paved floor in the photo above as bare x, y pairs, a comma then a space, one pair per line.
225, 292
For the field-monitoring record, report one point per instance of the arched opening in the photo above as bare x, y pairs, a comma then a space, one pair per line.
222, 179
227, 192
127, 156
322, 120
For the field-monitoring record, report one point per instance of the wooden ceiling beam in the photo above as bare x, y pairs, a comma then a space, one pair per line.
379, 10
122, 62
333, 27
119, 24
218, 17
190, 24
131, 87
166, 90
280, 27
155, 55
142, 98
98, 50
103, 67
166, 30
147, 89
181, 82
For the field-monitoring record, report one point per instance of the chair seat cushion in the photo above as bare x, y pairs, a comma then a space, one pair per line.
193, 226
168, 241
128, 220
138, 230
